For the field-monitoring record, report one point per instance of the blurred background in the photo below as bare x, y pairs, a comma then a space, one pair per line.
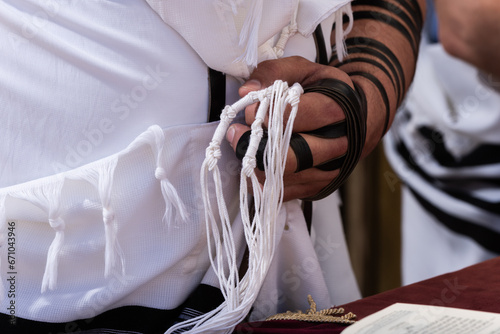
371, 198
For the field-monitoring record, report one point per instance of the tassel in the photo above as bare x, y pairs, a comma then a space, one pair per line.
173, 202
49, 280
249, 35
53, 197
340, 33
286, 34
175, 210
259, 231
113, 253
102, 179
48, 199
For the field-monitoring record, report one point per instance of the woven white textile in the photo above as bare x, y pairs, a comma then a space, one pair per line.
103, 128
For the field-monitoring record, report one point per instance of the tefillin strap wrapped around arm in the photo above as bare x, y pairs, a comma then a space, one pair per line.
354, 107
353, 104
373, 61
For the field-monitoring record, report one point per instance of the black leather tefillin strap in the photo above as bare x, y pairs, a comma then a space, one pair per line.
355, 122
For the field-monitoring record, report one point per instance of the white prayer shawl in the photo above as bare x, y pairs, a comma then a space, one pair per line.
463, 115
106, 204
448, 97
246, 31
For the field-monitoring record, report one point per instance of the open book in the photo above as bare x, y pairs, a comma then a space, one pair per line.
402, 318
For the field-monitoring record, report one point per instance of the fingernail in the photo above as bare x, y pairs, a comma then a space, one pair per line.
230, 134
252, 85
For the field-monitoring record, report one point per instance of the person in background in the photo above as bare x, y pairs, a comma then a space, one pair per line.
445, 142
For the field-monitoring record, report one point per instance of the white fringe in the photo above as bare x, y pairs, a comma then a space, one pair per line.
286, 34
48, 199
102, 178
175, 210
49, 280
249, 34
340, 33
239, 294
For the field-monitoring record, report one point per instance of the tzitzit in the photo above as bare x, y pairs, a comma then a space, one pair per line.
259, 228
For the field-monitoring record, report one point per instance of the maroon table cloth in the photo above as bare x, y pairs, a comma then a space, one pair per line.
475, 288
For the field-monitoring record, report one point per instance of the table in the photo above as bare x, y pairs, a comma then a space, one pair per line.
476, 288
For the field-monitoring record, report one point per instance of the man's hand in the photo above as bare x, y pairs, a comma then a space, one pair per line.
382, 50
469, 30
315, 111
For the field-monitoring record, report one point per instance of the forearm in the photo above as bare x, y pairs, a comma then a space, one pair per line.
469, 30
382, 49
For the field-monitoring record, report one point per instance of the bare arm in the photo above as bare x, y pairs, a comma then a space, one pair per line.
382, 47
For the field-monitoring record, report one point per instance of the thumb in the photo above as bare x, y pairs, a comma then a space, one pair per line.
234, 133
289, 69
249, 86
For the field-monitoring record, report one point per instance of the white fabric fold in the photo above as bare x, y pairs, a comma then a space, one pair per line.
221, 22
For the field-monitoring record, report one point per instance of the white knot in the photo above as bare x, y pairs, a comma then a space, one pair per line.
108, 215
248, 165
160, 173
57, 224
213, 154
262, 95
257, 127
279, 49
286, 33
279, 52
228, 113
213, 150
294, 93
252, 97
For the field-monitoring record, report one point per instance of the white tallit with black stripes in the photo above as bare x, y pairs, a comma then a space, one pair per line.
445, 147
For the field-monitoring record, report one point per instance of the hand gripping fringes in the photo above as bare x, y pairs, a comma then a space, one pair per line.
258, 228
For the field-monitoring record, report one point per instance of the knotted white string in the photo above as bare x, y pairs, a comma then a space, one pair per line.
48, 199
340, 33
286, 33
113, 254
49, 280
102, 178
175, 210
239, 295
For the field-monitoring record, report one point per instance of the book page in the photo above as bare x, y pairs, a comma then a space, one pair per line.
402, 318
